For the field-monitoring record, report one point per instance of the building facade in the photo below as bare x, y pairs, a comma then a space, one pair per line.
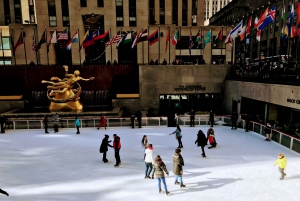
212, 7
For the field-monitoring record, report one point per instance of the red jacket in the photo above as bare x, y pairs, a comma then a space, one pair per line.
117, 143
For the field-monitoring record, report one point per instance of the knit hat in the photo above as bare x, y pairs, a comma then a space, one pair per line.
177, 151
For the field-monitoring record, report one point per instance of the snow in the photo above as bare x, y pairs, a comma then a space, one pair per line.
68, 167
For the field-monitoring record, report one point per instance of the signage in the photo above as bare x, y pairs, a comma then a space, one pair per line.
289, 100
190, 88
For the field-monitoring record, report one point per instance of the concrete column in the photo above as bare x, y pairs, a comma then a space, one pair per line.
219, 5
266, 112
179, 12
210, 8
126, 13
189, 13
168, 12
156, 10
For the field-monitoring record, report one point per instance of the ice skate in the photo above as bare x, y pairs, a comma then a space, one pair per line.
167, 193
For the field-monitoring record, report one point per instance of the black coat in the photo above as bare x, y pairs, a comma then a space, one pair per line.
201, 139
104, 145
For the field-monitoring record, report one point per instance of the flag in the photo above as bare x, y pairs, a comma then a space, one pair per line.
290, 21
20, 40
52, 40
218, 38
153, 38
207, 38
269, 18
42, 41
199, 38
33, 42
255, 23
125, 39
298, 14
99, 37
236, 31
74, 39
258, 34
243, 31
262, 17
83, 39
143, 36
89, 40
175, 38
190, 42
136, 39
63, 35
283, 11
167, 39
248, 28
284, 32
114, 39
228, 40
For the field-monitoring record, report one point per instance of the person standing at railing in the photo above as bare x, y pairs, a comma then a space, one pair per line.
55, 121
268, 130
211, 118
102, 122
234, 118
138, 115
281, 162
45, 121
2, 122
192, 118
247, 121
77, 124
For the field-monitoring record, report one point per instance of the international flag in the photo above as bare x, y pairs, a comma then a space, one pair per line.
20, 40
199, 38
262, 17
89, 41
125, 39
243, 31
284, 32
190, 43
207, 38
290, 21
143, 36
63, 35
228, 40
258, 34
52, 40
283, 10
33, 43
175, 38
298, 14
83, 39
101, 36
136, 39
74, 39
236, 31
270, 18
218, 38
167, 39
249, 24
42, 41
153, 38
114, 39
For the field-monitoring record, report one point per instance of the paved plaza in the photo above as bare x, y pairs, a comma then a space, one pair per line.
68, 167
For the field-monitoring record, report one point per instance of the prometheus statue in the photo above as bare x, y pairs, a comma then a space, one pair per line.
64, 93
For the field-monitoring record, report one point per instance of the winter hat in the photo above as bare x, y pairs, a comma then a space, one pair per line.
177, 151
106, 136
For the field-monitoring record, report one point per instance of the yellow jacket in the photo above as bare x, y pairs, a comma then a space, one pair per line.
281, 162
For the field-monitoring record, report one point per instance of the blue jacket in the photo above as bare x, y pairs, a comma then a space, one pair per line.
77, 122
178, 133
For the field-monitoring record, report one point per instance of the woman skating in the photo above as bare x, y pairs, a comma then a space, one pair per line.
201, 141
159, 168
148, 161
103, 148
178, 136
77, 124
144, 144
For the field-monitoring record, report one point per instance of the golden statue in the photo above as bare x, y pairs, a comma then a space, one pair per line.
62, 93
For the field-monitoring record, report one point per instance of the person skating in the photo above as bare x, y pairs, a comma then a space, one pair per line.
281, 162
201, 141
192, 118
55, 120
158, 169
117, 147
209, 132
234, 118
3, 192
212, 141
178, 164
102, 122
144, 143
268, 130
77, 124
148, 160
178, 136
211, 118
103, 147
45, 121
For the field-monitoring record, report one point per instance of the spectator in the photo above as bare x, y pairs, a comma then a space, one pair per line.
2, 122
55, 121
151, 62
164, 62
138, 115
115, 62
108, 62
45, 121
156, 62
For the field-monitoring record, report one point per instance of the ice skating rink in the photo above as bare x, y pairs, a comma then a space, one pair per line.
68, 167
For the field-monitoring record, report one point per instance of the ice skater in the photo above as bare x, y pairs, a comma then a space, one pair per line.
3, 192
211, 118
178, 163
148, 161
268, 130
55, 120
117, 147
77, 125
281, 162
178, 136
192, 118
103, 148
45, 121
144, 144
159, 168
201, 141
102, 122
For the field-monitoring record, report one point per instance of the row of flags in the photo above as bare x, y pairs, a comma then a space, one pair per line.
262, 20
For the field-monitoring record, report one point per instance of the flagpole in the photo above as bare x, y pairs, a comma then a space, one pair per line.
179, 39
260, 37
211, 44
142, 48
79, 46
158, 44
34, 35
274, 42
201, 35
169, 45
110, 46
12, 42
232, 46
2, 47
190, 48
148, 46
222, 42
24, 46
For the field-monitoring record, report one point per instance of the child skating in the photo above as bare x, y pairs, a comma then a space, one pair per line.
281, 162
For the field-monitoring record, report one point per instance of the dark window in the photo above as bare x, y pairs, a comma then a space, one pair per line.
100, 3
132, 13
194, 12
17, 6
119, 13
52, 13
7, 12
151, 12
175, 12
65, 13
162, 11
83, 3
184, 12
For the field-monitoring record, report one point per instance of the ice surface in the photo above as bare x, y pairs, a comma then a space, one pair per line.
65, 166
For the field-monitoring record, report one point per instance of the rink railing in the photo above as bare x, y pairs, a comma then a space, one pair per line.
280, 137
